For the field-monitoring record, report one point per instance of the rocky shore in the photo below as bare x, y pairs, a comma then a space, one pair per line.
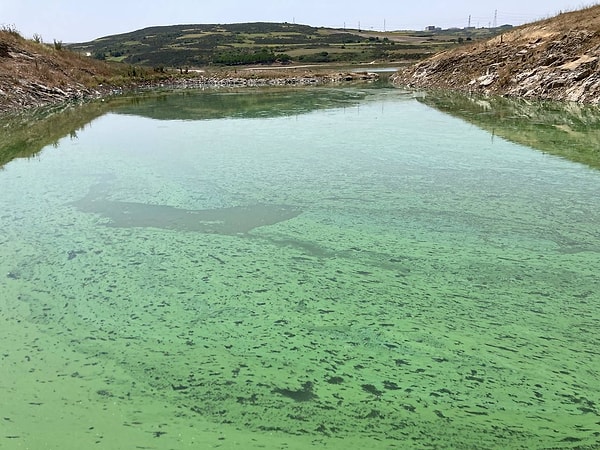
260, 79
557, 59
28, 94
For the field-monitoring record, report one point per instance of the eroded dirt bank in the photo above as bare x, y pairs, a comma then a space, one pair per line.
557, 58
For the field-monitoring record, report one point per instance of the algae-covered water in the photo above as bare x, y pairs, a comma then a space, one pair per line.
317, 269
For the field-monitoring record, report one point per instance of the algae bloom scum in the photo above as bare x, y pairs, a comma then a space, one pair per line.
358, 270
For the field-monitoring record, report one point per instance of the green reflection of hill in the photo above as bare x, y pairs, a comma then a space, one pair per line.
242, 103
568, 130
24, 135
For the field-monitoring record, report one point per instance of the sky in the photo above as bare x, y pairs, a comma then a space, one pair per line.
83, 20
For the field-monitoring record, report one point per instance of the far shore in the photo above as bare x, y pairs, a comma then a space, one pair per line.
35, 95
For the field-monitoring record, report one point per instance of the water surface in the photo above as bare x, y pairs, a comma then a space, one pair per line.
356, 271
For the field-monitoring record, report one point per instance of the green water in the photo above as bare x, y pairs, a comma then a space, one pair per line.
353, 271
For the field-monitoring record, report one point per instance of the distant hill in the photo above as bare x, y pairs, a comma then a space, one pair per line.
557, 58
266, 43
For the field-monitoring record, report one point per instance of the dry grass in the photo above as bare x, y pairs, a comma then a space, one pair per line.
35, 74
552, 58
37, 62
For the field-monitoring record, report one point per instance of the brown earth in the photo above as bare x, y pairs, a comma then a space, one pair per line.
557, 58
34, 74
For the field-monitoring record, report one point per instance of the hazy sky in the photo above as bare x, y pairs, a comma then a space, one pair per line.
84, 20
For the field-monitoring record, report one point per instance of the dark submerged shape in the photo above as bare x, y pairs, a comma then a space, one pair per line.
232, 220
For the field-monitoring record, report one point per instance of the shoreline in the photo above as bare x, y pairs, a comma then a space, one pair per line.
31, 95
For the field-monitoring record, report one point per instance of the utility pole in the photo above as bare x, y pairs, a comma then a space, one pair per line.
495, 18
469, 26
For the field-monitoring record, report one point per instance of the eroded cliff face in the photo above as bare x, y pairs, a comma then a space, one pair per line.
558, 58
33, 74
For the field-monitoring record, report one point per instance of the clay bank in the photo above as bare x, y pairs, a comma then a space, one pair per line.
554, 59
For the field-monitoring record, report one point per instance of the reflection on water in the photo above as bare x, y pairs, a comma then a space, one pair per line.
243, 103
568, 130
371, 273
24, 135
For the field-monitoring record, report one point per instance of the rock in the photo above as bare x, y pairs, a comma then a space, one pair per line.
486, 80
4, 50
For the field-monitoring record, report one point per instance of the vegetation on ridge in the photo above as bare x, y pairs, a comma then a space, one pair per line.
265, 43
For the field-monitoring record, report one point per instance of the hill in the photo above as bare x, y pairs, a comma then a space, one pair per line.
32, 73
557, 58
248, 43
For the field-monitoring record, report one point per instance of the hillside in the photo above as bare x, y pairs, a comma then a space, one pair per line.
557, 58
232, 44
34, 74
